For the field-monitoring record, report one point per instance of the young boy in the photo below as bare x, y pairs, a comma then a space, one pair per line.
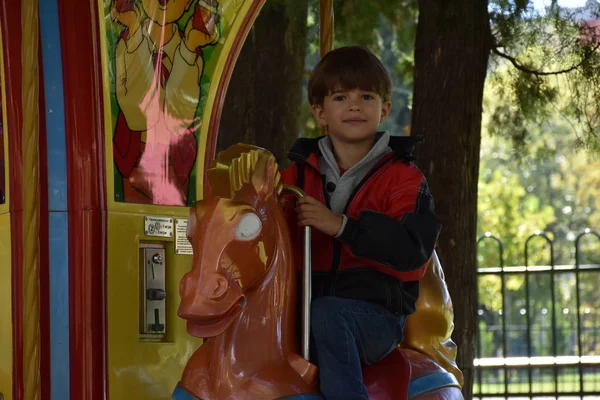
375, 227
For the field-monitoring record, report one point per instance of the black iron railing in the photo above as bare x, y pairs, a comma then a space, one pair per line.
541, 338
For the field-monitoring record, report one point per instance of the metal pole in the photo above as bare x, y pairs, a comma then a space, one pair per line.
550, 243
528, 312
306, 295
578, 299
306, 277
505, 314
326, 26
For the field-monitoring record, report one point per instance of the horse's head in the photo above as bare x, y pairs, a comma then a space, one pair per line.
234, 233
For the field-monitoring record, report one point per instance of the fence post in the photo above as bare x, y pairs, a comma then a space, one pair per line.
585, 232
552, 299
489, 236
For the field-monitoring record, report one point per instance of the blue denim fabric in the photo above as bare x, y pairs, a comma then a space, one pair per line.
346, 333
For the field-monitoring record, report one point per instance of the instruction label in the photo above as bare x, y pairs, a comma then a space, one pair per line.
158, 226
182, 244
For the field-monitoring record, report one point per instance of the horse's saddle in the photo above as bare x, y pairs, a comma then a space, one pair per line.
387, 379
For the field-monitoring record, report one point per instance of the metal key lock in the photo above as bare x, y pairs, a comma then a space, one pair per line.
153, 294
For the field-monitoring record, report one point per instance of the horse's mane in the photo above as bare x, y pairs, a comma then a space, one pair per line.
240, 165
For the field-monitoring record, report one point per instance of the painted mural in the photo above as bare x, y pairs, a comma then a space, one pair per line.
159, 55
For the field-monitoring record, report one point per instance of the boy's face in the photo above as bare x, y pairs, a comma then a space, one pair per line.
164, 12
352, 115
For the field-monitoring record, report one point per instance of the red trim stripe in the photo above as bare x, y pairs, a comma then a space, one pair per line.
84, 128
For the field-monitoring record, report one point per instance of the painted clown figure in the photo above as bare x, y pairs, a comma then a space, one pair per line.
158, 73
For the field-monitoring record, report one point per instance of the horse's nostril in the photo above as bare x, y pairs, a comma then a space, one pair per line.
221, 286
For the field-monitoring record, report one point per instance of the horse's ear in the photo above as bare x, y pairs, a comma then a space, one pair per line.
265, 177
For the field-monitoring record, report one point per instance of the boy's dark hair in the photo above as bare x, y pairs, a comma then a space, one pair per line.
348, 68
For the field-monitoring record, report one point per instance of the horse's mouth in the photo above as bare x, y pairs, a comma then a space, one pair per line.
207, 321
209, 326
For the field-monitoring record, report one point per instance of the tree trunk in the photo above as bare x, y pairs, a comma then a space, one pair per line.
451, 56
262, 105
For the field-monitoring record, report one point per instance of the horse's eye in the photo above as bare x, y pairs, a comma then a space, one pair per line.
248, 228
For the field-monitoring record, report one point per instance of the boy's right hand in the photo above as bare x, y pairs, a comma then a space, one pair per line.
311, 212
123, 13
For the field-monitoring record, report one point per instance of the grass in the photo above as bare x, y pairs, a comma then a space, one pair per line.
542, 382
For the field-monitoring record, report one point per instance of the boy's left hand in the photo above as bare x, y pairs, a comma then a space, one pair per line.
311, 212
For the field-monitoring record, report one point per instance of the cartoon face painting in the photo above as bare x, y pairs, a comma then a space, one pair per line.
158, 69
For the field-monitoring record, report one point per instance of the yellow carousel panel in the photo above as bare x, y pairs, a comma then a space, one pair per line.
166, 65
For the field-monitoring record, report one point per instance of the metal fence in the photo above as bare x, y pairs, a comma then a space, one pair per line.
539, 325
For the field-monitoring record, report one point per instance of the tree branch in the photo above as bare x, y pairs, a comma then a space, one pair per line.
527, 70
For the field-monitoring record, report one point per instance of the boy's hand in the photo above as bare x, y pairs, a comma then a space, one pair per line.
311, 212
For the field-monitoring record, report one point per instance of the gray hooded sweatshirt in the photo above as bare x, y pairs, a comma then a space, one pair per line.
344, 185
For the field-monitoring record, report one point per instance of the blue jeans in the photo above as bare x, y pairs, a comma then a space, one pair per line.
346, 333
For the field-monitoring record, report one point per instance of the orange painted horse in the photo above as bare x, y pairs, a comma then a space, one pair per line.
241, 295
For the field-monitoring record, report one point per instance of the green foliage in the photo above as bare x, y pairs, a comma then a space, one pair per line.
547, 183
400, 15
537, 114
388, 29
537, 56
505, 208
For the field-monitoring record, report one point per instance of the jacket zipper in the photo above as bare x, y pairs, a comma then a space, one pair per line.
337, 245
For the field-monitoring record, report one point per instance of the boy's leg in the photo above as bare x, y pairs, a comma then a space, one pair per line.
347, 332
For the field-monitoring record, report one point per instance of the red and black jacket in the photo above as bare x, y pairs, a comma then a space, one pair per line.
389, 236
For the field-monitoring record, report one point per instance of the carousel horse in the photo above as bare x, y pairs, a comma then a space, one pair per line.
241, 297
